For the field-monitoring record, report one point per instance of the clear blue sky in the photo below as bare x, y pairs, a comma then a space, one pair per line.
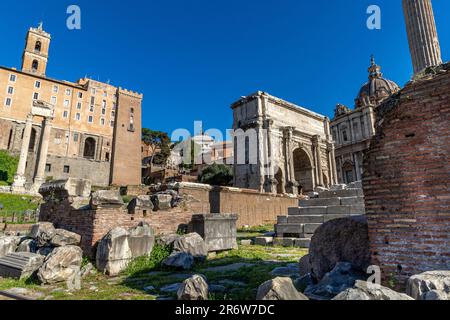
193, 58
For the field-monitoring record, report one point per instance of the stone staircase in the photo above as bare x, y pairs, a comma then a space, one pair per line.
297, 228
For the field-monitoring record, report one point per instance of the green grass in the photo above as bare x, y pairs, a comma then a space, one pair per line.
18, 203
258, 229
149, 263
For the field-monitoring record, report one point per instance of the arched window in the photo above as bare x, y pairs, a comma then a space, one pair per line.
89, 148
38, 46
35, 65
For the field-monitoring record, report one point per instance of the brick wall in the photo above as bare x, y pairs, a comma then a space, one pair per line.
407, 181
253, 209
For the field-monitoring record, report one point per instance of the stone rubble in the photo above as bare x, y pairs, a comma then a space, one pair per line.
431, 285
279, 289
194, 288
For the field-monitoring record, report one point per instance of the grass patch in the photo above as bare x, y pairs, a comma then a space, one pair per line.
258, 229
149, 263
18, 203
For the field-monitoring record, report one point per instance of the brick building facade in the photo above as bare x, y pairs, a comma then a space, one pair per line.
407, 180
94, 128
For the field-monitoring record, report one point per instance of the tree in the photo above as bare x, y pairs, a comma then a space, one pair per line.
8, 167
157, 140
216, 175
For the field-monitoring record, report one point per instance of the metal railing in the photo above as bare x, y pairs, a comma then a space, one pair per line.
18, 217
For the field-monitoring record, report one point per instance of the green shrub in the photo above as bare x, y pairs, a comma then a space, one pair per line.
149, 263
127, 199
216, 175
8, 167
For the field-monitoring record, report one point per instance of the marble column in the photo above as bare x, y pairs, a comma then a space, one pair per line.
318, 161
19, 178
43, 151
333, 163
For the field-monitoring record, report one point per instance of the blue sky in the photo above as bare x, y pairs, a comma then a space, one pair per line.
193, 58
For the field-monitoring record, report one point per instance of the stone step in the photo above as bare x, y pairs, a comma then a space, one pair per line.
292, 242
341, 209
305, 219
20, 265
320, 202
350, 201
298, 229
342, 193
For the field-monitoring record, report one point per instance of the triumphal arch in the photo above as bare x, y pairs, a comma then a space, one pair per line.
281, 147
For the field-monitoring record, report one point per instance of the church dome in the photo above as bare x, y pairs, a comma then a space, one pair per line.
376, 89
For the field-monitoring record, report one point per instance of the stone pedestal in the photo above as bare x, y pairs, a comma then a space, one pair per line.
19, 178
219, 231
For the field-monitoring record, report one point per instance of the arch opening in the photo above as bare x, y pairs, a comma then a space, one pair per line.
303, 171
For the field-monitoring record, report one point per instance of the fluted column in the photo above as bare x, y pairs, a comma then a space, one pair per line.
422, 34
43, 151
19, 178
316, 143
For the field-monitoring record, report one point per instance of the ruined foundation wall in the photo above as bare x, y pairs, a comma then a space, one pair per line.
407, 181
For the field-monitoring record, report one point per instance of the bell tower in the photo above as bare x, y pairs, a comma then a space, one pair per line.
422, 34
35, 54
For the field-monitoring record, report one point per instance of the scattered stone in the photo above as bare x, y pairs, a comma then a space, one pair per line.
60, 265
264, 241
20, 265
193, 244
232, 283
74, 281
26, 293
181, 260
65, 238
288, 271
86, 270
8, 244
113, 252
304, 265
246, 242
93, 288
429, 285
162, 201
171, 288
229, 267
140, 204
217, 288
149, 289
279, 289
27, 245
338, 240
212, 255
303, 282
42, 232
195, 288
141, 240
45, 251
106, 198
341, 278
168, 240
369, 291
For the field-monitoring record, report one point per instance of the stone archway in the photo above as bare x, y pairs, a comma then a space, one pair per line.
303, 170
89, 148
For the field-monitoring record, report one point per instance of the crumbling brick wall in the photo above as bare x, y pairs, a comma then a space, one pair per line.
407, 180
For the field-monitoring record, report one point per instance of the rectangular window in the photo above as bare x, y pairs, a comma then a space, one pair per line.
48, 167
35, 96
79, 104
75, 136
102, 121
91, 108
12, 78
90, 119
111, 123
105, 94
80, 95
107, 156
53, 100
113, 114
55, 89
66, 103
37, 84
92, 100
65, 114
104, 104
66, 169
93, 91
68, 92
10, 90
103, 111
114, 106
8, 102
78, 117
